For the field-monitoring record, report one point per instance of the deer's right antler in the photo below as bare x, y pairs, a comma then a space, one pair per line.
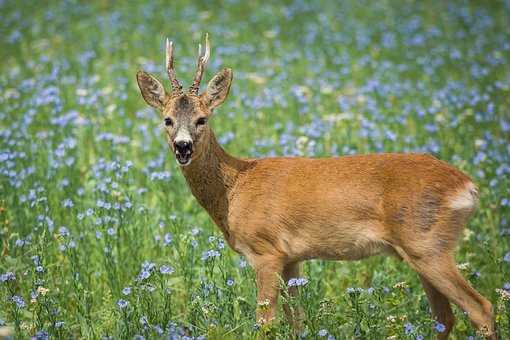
176, 85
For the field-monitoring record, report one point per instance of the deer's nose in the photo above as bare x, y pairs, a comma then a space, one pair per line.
183, 147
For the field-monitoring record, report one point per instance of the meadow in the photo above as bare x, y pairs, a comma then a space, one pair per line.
100, 236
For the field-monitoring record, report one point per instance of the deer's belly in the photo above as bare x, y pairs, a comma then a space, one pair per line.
348, 241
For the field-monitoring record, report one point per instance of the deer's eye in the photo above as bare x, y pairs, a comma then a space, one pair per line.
169, 121
201, 121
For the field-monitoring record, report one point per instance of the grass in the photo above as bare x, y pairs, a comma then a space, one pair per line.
99, 235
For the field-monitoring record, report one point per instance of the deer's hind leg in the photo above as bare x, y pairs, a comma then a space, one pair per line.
427, 242
442, 274
440, 306
445, 277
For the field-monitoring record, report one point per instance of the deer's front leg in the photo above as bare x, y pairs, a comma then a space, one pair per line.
268, 271
294, 317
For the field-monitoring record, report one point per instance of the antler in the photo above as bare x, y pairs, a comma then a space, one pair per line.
202, 61
176, 85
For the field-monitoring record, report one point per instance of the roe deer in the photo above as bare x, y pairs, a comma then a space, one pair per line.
280, 211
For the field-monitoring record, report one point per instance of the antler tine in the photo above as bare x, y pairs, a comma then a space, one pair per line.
207, 53
201, 62
176, 85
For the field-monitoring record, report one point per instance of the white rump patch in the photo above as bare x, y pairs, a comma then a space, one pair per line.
465, 198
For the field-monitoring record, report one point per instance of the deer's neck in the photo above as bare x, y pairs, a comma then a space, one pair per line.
211, 177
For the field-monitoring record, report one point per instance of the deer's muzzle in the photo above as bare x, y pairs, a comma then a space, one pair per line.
183, 151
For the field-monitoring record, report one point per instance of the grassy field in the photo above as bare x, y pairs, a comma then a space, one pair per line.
101, 238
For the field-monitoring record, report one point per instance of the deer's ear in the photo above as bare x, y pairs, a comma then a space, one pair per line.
152, 90
217, 89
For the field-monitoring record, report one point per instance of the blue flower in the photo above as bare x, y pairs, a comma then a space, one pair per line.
297, 282
144, 274
408, 328
147, 265
126, 290
352, 290
164, 269
67, 203
230, 282
158, 330
322, 333
63, 231
210, 254
8, 276
41, 335
122, 303
18, 300
439, 327
167, 239
506, 258
164, 176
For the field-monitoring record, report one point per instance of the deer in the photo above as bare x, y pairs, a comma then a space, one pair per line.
280, 211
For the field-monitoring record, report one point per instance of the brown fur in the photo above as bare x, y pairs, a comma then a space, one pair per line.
280, 211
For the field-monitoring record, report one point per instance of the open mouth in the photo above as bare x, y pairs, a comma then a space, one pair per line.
183, 159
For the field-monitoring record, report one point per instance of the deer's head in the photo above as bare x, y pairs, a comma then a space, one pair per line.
185, 114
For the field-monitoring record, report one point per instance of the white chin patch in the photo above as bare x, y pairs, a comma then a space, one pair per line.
188, 162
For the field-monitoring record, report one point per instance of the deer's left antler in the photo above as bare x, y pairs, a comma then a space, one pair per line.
201, 62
